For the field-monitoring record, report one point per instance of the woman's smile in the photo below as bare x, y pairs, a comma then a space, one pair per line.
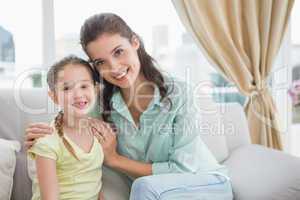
121, 74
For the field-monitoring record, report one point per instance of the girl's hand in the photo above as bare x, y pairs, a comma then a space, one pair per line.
107, 138
100, 196
35, 131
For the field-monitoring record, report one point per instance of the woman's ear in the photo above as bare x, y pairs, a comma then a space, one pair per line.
135, 42
53, 97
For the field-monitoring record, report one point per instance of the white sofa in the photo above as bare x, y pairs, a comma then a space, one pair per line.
257, 173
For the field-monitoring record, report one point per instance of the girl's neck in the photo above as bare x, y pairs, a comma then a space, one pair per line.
75, 123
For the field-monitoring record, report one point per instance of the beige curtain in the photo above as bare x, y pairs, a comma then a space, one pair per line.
241, 38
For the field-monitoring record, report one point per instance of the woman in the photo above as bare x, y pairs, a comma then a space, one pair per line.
158, 141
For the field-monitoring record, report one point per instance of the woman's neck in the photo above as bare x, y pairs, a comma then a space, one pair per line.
139, 95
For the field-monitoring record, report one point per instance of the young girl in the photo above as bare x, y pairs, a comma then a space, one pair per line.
69, 161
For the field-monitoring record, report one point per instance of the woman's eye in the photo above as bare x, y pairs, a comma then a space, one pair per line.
98, 63
118, 52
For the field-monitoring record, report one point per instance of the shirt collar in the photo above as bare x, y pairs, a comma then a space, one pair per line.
156, 96
117, 100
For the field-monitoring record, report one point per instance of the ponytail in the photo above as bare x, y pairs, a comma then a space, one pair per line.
58, 122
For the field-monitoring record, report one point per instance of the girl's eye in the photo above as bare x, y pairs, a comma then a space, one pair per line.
119, 52
84, 86
66, 88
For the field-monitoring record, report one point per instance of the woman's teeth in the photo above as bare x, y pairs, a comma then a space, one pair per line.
122, 74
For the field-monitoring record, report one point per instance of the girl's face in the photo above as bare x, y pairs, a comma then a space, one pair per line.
75, 92
116, 59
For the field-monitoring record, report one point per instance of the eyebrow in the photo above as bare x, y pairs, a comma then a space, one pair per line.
99, 59
70, 83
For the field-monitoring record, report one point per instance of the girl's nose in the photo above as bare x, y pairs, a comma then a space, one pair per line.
78, 93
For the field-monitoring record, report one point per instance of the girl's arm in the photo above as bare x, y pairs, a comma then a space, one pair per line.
47, 179
101, 196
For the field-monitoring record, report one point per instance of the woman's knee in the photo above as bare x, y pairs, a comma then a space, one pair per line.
143, 188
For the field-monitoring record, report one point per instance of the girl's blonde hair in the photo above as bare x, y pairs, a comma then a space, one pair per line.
52, 76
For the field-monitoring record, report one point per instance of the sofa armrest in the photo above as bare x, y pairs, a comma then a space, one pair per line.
261, 173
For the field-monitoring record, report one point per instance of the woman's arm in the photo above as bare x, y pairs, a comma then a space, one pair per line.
107, 137
131, 167
46, 174
35, 131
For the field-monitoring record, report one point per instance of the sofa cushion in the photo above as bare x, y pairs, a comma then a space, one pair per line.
116, 186
216, 143
260, 173
212, 129
236, 129
8, 149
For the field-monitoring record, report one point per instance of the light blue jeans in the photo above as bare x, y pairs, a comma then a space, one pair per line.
210, 186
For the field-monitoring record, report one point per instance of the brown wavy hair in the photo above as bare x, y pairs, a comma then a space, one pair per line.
99, 24
52, 76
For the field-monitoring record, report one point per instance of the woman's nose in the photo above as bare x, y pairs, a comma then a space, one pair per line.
115, 69
114, 65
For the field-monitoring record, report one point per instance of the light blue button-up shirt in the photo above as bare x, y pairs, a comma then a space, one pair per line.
168, 135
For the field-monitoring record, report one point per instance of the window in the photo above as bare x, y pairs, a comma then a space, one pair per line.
295, 62
164, 36
294, 87
20, 41
7, 46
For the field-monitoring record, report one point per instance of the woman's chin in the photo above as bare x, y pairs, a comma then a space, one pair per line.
126, 84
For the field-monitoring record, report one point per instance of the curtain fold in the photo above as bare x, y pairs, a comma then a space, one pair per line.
241, 39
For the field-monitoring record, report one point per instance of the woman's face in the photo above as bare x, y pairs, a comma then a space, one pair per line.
116, 59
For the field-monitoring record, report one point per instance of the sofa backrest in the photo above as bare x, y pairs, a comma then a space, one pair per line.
18, 109
224, 128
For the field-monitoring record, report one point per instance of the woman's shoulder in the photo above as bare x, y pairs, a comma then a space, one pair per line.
182, 97
175, 84
178, 90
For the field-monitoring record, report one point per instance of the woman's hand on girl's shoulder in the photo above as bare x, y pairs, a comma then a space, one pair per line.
35, 131
106, 135
102, 127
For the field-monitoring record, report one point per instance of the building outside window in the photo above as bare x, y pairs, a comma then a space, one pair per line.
20, 42
7, 46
